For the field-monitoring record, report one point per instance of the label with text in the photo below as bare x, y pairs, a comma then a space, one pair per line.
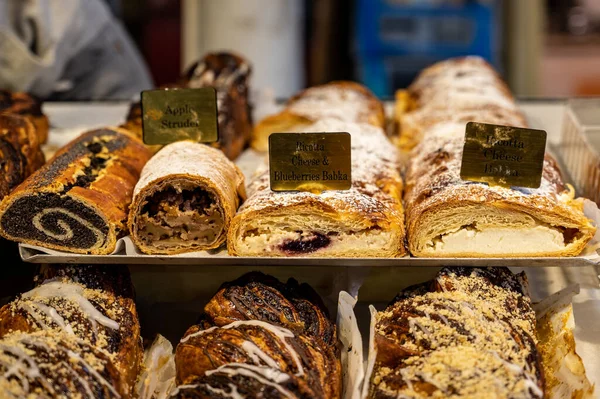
179, 114
503, 155
312, 162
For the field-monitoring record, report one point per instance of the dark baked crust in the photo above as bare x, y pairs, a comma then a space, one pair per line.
277, 334
291, 305
91, 181
20, 153
229, 74
68, 291
28, 106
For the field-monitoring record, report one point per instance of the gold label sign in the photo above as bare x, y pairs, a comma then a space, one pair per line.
312, 162
179, 114
503, 155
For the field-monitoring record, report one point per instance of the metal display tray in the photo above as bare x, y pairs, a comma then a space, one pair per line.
127, 253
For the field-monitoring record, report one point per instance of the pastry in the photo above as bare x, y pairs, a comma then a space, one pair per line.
27, 106
229, 74
450, 217
259, 337
78, 201
457, 90
342, 100
51, 364
90, 311
365, 221
292, 305
469, 333
185, 199
20, 153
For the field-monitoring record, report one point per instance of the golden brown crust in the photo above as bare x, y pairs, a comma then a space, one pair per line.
457, 90
27, 106
20, 153
91, 181
449, 217
365, 221
183, 169
343, 100
434, 187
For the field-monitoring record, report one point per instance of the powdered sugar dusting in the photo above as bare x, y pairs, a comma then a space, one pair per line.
332, 101
186, 157
374, 164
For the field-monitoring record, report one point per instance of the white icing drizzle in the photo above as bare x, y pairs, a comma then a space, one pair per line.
83, 382
264, 375
175, 391
257, 354
233, 393
93, 372
24, 368
73, 293
279, 332
67, 231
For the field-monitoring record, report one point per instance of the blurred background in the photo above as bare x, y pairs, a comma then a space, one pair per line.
543, 48
548, 48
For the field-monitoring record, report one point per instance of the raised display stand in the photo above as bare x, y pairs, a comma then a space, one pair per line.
171, 290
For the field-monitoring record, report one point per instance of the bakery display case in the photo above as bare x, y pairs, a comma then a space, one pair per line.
178, 269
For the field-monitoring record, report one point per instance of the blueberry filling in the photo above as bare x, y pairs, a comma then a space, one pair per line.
306, 244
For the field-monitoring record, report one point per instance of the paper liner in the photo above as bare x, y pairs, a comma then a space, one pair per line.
158, 378
352, 349
563, 368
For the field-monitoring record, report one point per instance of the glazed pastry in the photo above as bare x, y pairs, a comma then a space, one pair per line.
450, 217
93, 303
259, 337
229, 74
78, 201
469, 333
458, 90
185, 199
52, 364
365, 221
27, 106
342, 100
292, 305
20, 153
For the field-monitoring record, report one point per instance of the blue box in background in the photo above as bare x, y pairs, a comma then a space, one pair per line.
395, 39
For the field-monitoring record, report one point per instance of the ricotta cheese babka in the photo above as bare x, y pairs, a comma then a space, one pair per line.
457, 90
450, 217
